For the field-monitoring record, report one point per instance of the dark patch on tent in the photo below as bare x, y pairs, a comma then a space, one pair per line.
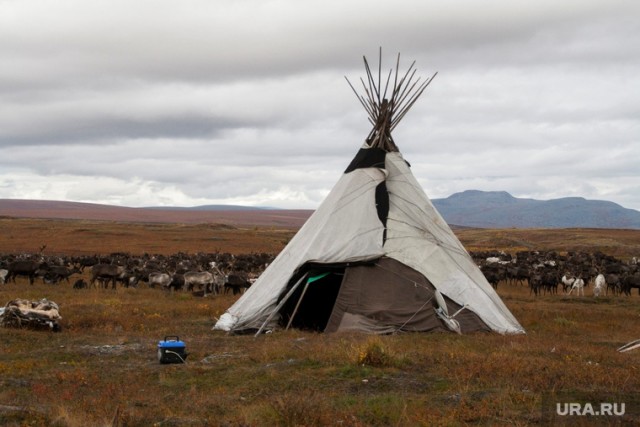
367, 158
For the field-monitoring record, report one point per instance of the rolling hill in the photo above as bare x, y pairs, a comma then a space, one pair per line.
231, 215
472, 208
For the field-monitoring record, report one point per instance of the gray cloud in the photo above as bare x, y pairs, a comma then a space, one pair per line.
163, 103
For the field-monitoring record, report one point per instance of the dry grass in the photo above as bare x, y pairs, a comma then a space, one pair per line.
82, 237
102, 368
103, 365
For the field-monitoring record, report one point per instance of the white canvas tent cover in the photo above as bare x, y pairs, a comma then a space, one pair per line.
346, 230
394, 263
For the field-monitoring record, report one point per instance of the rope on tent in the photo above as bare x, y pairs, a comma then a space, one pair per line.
442, 311
426, 232
416, 284
629, 346
414, 314
282, 302
449, 253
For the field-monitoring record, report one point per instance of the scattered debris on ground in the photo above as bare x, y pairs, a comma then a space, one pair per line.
22, 313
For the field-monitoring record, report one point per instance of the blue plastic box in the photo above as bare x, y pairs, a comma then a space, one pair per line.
172, 350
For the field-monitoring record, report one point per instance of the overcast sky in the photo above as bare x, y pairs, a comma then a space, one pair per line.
184, 103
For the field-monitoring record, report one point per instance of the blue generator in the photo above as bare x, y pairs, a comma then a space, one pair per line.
171, 350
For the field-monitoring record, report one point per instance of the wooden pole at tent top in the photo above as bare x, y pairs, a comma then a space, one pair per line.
385, 113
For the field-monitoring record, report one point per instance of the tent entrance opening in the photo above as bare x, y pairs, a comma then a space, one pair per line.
311, 304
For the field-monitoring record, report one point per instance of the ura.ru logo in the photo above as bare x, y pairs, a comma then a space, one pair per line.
586, 409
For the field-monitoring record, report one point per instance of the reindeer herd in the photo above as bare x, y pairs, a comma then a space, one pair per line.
202, 274
544, 272
548, 272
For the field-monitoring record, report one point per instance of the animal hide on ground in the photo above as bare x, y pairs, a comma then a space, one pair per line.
21, 313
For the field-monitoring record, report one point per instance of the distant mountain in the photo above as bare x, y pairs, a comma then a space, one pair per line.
499, 209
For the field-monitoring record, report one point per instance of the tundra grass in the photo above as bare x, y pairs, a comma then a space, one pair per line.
85, 237
102, 369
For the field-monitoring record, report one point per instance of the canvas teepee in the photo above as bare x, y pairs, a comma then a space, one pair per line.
375, 256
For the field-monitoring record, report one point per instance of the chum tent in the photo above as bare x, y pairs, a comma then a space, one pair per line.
375, 256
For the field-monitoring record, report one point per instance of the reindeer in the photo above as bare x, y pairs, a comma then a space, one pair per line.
631, 281
161, 279
107, 273
202, 279
567, 282
578, 285
614, 284
236, 283
58, 273
26, 268
599, 284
